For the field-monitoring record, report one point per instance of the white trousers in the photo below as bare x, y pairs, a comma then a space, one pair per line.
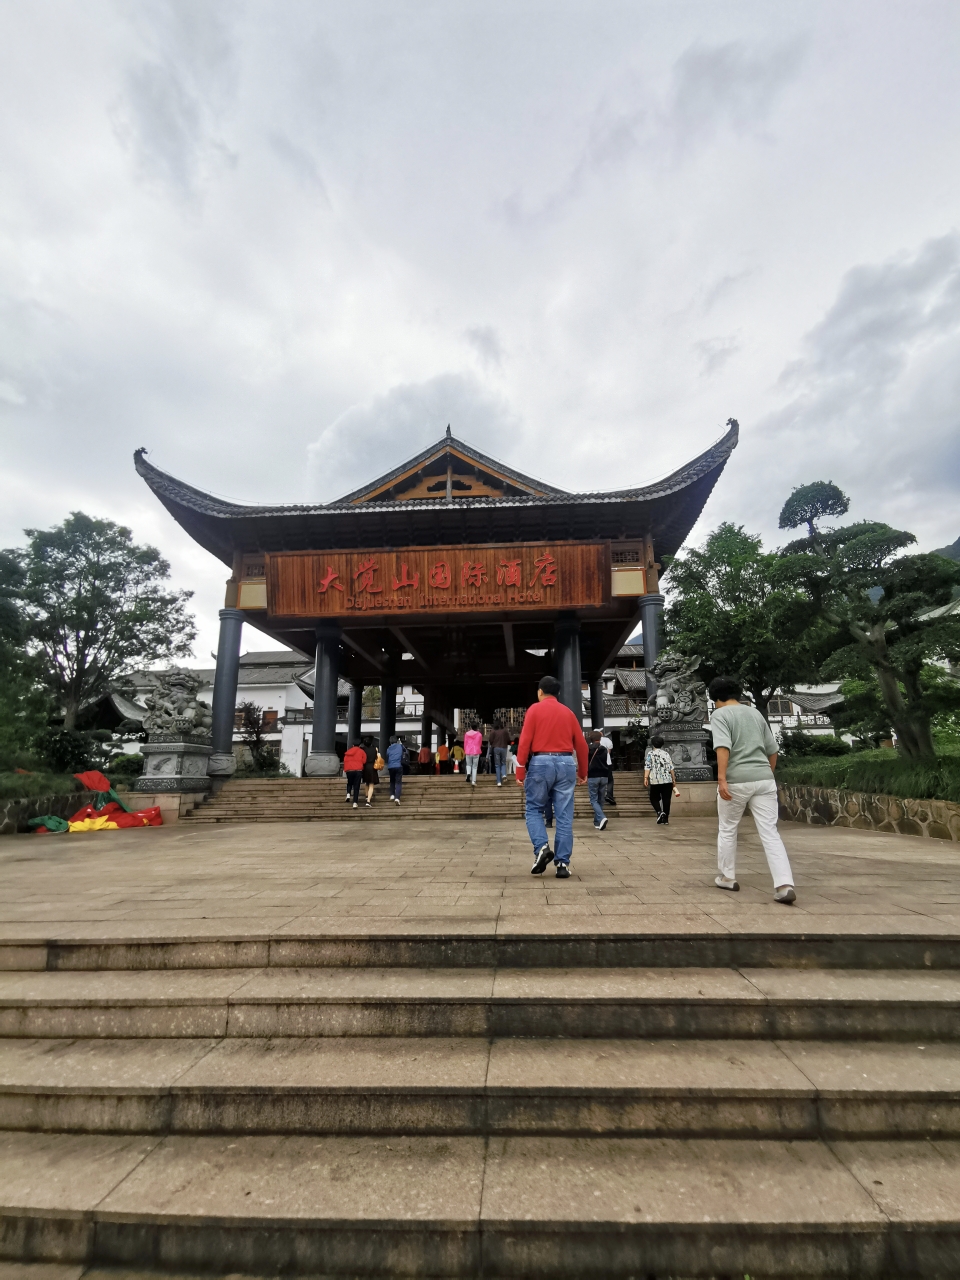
761, 799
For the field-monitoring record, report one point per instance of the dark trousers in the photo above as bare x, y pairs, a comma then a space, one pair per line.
610, 799
660, 795
396, 782
353, 784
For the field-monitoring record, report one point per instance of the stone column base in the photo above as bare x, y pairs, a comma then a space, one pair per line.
688, 746
222, 764
174, 764
322, 764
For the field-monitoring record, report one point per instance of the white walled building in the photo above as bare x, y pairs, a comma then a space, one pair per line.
274, 680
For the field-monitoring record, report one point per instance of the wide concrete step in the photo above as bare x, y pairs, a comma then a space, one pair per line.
592, 1003
426, 944
459, 1086
425, 798
467, 1206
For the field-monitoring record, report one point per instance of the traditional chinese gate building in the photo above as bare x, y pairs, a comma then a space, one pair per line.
486, 578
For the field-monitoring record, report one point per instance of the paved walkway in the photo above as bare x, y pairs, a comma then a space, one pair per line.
334, 878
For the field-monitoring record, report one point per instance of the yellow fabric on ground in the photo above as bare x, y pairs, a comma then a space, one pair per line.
94, 824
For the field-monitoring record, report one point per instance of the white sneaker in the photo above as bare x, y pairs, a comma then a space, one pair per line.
785, 894
723, 883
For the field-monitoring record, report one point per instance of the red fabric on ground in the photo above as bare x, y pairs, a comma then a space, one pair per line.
142, 818
550, 726
93, 780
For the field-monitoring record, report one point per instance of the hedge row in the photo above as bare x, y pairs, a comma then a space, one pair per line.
883, 775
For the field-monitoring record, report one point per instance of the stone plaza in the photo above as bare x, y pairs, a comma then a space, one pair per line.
387, 1050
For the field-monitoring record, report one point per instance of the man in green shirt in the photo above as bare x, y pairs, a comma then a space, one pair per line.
746, 758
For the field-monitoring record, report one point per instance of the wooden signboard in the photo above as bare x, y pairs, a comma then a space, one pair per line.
554, 575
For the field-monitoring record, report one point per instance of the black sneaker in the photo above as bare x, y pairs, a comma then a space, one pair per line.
661, 818
563, 871
540, 861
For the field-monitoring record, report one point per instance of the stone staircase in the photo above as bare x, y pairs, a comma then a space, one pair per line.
423, 798
671, 1104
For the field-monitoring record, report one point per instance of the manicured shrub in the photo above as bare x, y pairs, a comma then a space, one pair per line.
882, 772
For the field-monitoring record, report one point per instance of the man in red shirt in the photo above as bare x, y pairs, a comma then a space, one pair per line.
551, 763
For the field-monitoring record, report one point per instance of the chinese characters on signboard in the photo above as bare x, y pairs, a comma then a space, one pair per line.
437, 580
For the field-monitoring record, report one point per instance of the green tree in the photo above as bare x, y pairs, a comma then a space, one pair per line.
811, 502
94, 607
878, 602
24, 702
726, 607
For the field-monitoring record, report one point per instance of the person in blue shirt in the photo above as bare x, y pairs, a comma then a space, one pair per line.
396, 755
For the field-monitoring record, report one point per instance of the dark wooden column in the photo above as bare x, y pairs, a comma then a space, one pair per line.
355, 712
323, 761
651, 611
567, 644
388, 713
596, 703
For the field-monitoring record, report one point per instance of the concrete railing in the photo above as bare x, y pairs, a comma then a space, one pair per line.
830, 807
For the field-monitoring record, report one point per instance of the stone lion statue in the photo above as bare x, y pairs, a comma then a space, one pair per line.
172, 706
681, 697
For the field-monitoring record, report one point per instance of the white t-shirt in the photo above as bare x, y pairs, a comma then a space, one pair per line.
607, 744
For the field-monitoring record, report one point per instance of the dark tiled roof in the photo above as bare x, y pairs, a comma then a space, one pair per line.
817, 703
666, 510
632, 681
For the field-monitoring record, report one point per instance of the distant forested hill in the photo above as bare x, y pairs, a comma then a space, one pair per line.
952, 552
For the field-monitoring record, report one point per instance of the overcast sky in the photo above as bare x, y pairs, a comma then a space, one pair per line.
281, 245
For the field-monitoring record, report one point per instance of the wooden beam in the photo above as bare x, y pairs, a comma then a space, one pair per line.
508, 641
624, 637
409, 647
377, 662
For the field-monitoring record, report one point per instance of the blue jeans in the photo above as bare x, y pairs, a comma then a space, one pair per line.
500, 762
471, 763
396, 782
551, 778
598, 789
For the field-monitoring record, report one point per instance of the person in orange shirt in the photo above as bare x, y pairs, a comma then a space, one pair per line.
443, 756
551, 763
353, 763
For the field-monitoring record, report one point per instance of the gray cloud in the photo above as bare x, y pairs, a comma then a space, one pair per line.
486, 342
732, 85
167, 113
715, 352
876, 389
370, 439
282, 247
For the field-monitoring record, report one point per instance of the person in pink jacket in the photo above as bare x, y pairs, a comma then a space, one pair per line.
472, 746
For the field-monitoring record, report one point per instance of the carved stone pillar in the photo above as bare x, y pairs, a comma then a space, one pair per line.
323, 761
223, 762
